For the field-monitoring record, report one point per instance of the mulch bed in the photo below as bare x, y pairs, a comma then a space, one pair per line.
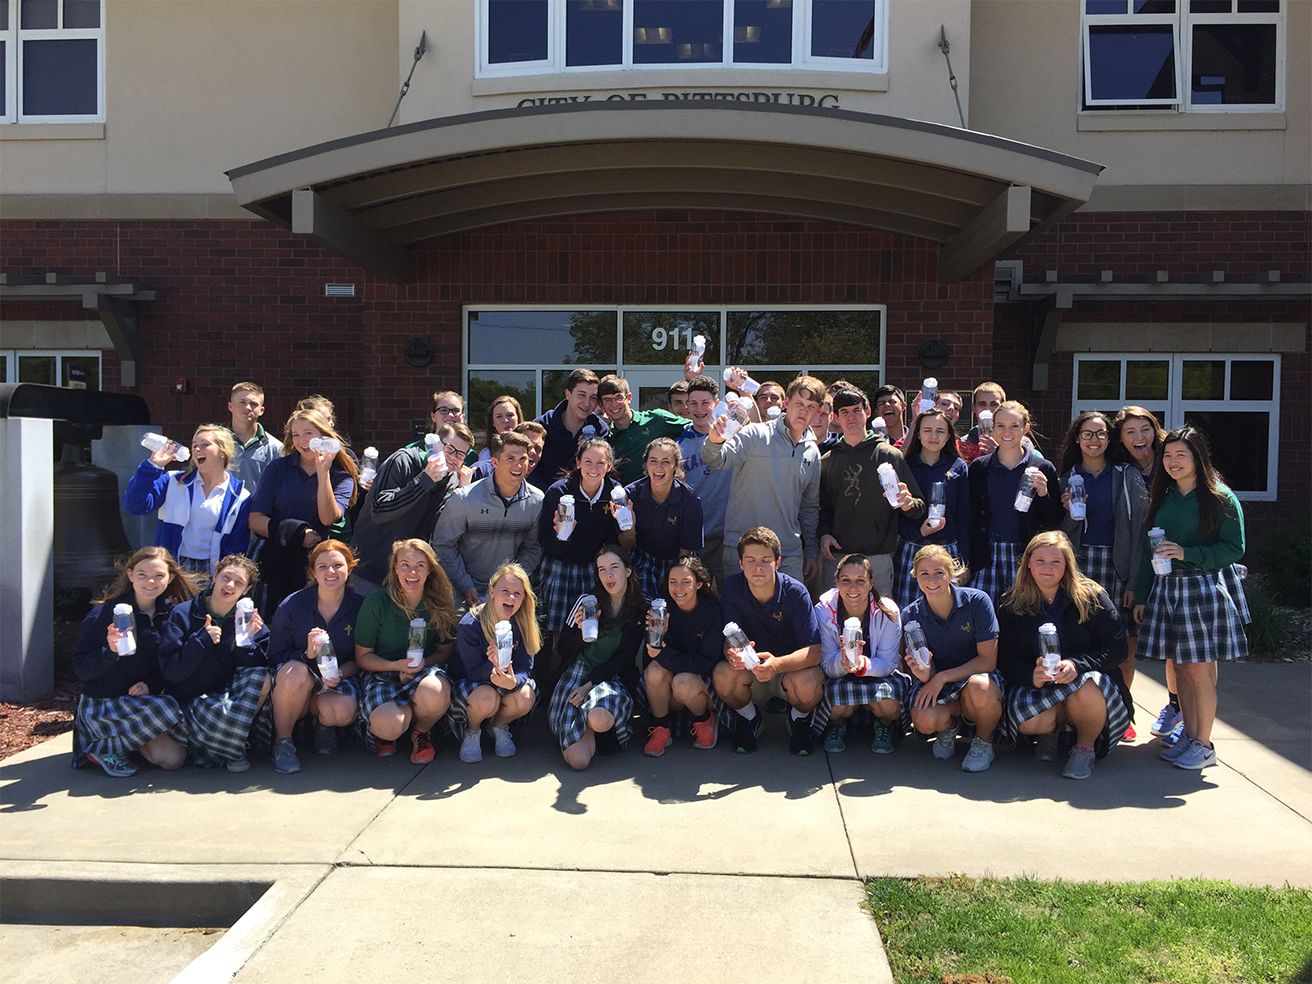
25, 725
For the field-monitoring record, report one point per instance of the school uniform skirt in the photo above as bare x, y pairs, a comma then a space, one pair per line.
457, 719
119, 725
999, 574
559, 585
650, 572
905, 588
220, 723
1095, 562
1196, 617
262, 734
951, 691
1021, 703
568, 723
858, 691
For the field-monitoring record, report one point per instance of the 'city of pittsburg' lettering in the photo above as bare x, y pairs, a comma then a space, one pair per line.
784, 98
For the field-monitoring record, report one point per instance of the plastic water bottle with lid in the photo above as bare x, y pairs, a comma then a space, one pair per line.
738, 418
241, 623
772, 413
722, 405
696, 363
737, 639
587, 433
621, 509
588, 603
414, 653
1156, 537
1049, 646
986, 423
739, 380
434, 445
879, 427
325, 445
657, 624
1025, 494
155, 443
565, 512
888, 479
326, 658
853, 637
917, 645
1075, 489
369, 465
126, 623
928, 394
938, 503
505, 645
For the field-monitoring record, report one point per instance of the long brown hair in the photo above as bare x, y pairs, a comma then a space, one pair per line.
181, 587
527, 616
1071, 454
694, 566
886, 606
1208, 492
633, 597
913, 446
491, 429
1118, 452
439, 598
1024, 597
325, 427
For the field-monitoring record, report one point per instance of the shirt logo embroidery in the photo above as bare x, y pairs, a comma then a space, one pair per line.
852, 484
778, 616
966, 627
673, 520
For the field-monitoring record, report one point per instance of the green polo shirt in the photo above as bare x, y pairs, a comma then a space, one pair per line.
631, 443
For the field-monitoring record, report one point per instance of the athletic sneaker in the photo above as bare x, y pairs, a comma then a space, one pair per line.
471, 749
801, 739
777, 705
658, 739
746, 732
115, 765
945, 745
325, 739
502, 743
422, 753
1166, 721
966, 730
706, 733
1079, 765
1045, 749
239, 764
284, 757
1175, 736
1173, 751
1130, 733
834, 738
1196, 756
980, 756
883, 743
386, 749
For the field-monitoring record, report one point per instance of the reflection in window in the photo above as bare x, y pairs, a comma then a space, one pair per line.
553, 384
594, 32
1131, 63
1233, 64
1203, 380
1147, 380
516, 31
37, 369
763, 31
843, 29
486, 385
663, 338
1239, 444
1100, 380
541, 337
804, 337
677, 31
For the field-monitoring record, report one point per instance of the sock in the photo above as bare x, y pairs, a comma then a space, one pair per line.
798, 715
660, 722
607, 742
1174, 700
747, 713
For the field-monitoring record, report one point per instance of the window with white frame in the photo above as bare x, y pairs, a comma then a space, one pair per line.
1233, 399
52, 61
73, 369
519, 37
1188, 55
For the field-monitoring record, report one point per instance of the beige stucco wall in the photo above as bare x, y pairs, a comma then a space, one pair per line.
1025, 84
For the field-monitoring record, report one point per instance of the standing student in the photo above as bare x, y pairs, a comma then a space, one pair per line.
667, 517
122, 708
396, 694
632, 431
593, 700
503, 415
769, 397
565, 424
710, 484
998, 530
931, 456
961, 682
255, 447
677, 680
1194, 615
987, 396
1086, 690
219, 682
873, 679
891, 404
676, 398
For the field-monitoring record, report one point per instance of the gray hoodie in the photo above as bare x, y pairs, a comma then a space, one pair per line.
477, 531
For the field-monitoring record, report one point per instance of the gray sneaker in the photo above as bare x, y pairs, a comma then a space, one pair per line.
1080, 763
945, 745
284, 757
239, 764
980, 756
1046, 748
325, 739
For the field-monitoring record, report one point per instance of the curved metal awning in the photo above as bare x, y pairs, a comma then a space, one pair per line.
371, 196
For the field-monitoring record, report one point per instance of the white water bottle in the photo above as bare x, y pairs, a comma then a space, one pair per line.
505, 645
917, 645
772, 413
879, 427
928, 394
737, 639
241, 623
696, 363
888, 479
852, 639
1156, 537
738, 418
369, 465
590, 627
1025, 494
126, 623
326, 658
1049, 646
414, 653
657, 624
155, 443
325, 445
434, 445
621, 509
986, 423
938, 504
739, 380
565, 512
1075, 489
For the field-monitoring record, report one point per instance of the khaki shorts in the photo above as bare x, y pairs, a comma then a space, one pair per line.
762, 692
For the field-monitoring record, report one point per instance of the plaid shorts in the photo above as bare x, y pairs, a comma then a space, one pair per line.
1195, 618
221, 723
856, 691
951, 691
559, 585
905, 588
118, 725
199, 571
651, 573
999, 574
568, 723
1022, 703
457, 719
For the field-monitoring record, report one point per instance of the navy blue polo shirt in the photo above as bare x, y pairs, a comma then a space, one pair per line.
664, 528
299, 613
287, 492
594, 527
953, 641
1100, 518
784, 624
1004, 483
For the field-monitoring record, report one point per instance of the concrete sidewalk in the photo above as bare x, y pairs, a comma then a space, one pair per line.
704, 866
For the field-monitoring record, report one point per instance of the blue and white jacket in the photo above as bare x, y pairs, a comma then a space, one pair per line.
173, 493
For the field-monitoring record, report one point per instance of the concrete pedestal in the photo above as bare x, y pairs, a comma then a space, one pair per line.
27, 574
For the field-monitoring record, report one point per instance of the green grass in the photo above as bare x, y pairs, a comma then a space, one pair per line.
1184, 932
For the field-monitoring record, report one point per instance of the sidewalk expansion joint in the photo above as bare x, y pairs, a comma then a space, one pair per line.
605, 871
838, 801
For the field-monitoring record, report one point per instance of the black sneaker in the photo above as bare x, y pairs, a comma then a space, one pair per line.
746, 732
777, 705
801, 739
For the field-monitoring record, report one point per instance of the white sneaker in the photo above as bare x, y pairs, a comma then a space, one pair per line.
471, 749
980, 756
945, 745
505, 745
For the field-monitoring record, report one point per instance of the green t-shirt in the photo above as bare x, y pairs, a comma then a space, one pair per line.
385, 629
631, 443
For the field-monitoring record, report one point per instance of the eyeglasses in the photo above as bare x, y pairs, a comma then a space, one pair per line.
1098, 435
452, 449
450, 411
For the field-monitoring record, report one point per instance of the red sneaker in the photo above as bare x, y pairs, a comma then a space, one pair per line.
386, 749
1129, 733
423, 750
706, 733
658, 739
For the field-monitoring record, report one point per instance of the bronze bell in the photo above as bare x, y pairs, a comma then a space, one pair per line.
89, 534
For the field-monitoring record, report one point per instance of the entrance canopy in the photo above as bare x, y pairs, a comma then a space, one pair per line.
371, 196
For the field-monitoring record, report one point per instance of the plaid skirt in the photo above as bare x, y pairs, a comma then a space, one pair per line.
856, 691
651, 573
1195, 618
118, 725
199, 571
262, 731
568, 723
457, 719
1095, 562
905, 588
559, 586
999, 574
680, 721
1019, 704
378, 689
220, 723
950, 692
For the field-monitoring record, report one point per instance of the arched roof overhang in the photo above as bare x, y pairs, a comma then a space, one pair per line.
370, 197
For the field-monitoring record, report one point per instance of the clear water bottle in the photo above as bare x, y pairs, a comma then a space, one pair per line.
888, 479
879, 427
657, 624
853, 637
739, 380
737, 639
1049, 646
155, 443
414, 652
928, 394
369, 465
738, 418
588, 603
1075, 488
697, 362
722, 405
126, 623
326, 658
986, 423
621, 509
434, 453
938, 503
505, 645
241, 623
565, 512
917, 645
1156, 537
325, 445
1025, 494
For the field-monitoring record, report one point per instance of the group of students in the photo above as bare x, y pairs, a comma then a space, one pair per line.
678, 592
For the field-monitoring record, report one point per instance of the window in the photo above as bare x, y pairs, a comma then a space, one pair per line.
519, 37
1189, 55
1233, 399
52, 61
77, 370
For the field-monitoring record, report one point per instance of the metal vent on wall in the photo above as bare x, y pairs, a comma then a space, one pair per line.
339, 290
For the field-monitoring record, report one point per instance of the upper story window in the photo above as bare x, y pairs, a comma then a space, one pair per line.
52, 61
519, 37
1189, 55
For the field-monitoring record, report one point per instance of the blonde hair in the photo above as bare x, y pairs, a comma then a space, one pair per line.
526, 618
934, 551
321, 423
439, 598
222, 437
1024, 597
